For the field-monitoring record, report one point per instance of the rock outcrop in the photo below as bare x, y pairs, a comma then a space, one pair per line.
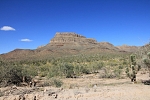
69, 38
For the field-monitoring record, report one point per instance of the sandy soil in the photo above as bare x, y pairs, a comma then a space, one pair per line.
85, 89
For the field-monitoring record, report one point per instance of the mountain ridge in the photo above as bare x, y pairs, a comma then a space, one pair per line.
67, 43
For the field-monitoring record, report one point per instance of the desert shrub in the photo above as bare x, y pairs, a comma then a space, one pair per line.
106, 74
120, 67
77, 70
147, 62
96, 66
46, 83
67, 70
43, 70
127, 72
52, 73
10, 75
148, 54
29, 71
42, 74
62, 69
57, 82
14, 74
139, 67
85, 70
124, 63
118, 72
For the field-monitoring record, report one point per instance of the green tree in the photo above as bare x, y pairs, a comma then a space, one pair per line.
10, 75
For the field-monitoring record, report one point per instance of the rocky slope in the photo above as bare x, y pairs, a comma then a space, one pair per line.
128, 48
67, 43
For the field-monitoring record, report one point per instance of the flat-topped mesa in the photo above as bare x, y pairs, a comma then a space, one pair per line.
70, 37
68, 34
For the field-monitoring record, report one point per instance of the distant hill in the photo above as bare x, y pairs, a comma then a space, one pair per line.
65, 44
128, 48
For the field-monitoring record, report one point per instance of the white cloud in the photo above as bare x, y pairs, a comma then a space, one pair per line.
7, 28
25, 40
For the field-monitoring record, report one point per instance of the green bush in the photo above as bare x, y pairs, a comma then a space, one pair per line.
57, 82
15, 74
148, 54
52, 73
118, 73
85, 71
147, 62
11, 75
67, 69
120, 67
46, 83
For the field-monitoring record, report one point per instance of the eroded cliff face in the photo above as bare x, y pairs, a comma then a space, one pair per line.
70, 38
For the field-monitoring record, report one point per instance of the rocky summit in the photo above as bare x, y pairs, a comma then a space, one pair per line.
65, 44
69, 38
72, 40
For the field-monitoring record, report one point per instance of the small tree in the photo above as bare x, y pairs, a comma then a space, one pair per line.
10, 75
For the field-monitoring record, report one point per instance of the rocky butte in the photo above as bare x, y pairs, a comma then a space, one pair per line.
69, 38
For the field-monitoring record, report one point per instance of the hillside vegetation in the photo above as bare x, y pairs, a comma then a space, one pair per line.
111, 66
68, 55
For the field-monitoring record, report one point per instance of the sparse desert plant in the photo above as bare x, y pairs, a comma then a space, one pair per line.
132, 70
120, 67
11, 75
107, 74
148, 54
57, 82
43, 71
46, 83
127, 72
85, 71
72, 86
15, 74
117, 72
147, 62
133, 64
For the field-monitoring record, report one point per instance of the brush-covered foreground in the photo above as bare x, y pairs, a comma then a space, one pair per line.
87, 87
108, 65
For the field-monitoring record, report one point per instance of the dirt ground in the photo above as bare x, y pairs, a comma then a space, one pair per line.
85, 88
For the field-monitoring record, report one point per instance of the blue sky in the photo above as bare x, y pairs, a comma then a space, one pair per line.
28, 24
